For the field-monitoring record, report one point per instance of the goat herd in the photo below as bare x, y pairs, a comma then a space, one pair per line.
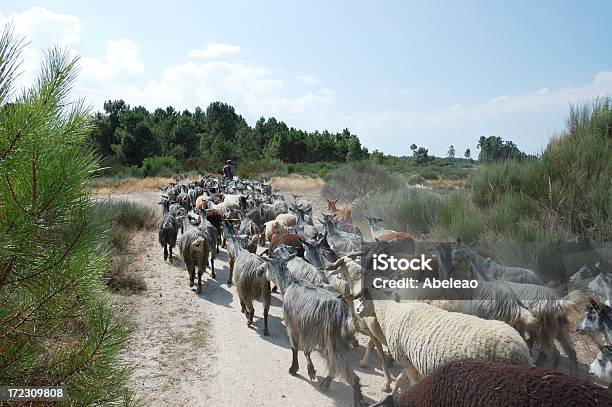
474, 352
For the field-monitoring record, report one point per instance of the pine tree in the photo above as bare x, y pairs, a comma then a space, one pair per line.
57, 326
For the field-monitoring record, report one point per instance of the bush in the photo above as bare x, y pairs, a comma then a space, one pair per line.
404, 209
359, 179
570, 182
123, 219
509, 209
416, 179
458, 217
159, 166
260, 168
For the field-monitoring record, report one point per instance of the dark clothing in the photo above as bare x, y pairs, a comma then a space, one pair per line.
228, 171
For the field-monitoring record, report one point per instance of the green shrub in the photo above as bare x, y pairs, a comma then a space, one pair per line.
509, 209
458, 217
404, 209
260, 168
570, 183
359, 179
159, 166
416, 179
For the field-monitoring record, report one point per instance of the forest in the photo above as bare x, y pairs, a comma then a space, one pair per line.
146, 142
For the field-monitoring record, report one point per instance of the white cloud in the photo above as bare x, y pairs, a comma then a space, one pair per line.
121, 61
214, 50
41, 28
308, 79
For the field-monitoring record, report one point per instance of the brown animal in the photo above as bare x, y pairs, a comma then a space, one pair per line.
399, 242
342, 215
215, 217
288, 239
482, 383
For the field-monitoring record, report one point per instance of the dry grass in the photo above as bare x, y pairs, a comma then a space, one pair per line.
296, 183
109, 185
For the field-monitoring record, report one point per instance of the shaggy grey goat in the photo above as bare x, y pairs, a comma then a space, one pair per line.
316, 320
194, 250
375, 228
341, 242
210, 233
251, 283
300, 268
245, 241
548, 307
463, 253
247, 226
168, 231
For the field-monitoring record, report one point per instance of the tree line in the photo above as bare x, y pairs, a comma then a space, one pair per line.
127, 136
131, 134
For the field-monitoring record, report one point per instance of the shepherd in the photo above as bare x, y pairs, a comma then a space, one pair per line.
228, 170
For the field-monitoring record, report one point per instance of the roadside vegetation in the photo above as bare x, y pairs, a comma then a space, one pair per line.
524, 211
123, 219
57, 323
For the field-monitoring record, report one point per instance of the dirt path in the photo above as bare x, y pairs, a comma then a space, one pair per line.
196, 350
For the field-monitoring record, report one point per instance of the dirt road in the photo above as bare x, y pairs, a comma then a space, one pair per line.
196, 350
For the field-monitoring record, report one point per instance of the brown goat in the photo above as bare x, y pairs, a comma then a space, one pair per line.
477, 382
288, 239
215, 217
399, 242
342, 215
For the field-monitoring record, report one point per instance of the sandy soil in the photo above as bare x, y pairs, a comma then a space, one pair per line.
196, 350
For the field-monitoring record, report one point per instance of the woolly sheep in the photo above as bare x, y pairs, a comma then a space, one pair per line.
422, 337
498, 384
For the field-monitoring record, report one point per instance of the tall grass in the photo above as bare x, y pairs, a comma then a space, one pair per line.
572, 180
405, 209
458, 217
356, 180
123, 219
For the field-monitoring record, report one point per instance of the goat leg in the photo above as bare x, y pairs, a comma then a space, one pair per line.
166, 252
312, 373
200, 280
366, 357
294, 362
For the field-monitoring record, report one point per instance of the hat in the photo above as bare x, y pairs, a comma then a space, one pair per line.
229, 161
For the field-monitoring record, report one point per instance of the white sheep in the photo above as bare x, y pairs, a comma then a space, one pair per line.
286, 219
422, 337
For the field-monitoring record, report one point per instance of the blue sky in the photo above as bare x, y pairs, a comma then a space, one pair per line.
395, 73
